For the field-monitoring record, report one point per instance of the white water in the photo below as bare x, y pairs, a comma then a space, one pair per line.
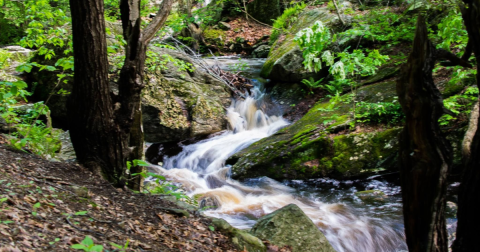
201, 169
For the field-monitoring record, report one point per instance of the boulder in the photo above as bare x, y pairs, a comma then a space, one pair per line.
224, 26
241, 239
12, 56
261, 51
310, 147
178, 105
284, 62
290, 226
264, 11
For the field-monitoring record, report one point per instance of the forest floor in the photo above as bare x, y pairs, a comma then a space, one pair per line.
53, 205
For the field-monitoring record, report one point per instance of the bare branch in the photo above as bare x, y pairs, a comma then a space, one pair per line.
452, 58
158, 21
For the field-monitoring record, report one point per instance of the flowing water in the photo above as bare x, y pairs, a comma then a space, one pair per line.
350, 222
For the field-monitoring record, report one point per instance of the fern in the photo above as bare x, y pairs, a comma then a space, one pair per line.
285, 20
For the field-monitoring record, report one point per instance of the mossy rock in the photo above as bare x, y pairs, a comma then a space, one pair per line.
285, 57
214, 36
290, 226
307, 149
453, 88
241, 239
179, 104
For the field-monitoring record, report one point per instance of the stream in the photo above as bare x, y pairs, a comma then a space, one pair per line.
351, 221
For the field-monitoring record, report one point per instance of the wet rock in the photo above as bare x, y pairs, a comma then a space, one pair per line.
291, 226
261, 51
371, 196
155, 152
306, 148
242, 239
207, 203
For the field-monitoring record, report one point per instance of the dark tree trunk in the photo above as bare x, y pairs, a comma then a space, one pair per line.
107, 133
424, 153
97, 140
468, 231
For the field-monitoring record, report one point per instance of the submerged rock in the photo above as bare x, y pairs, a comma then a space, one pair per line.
291, 226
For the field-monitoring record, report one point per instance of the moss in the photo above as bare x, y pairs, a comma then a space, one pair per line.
305, 150
214, 36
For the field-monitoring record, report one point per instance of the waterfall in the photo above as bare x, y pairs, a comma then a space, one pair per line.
201, 169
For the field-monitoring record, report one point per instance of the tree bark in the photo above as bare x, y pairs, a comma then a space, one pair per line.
107, 133
96, 139
424, 153
468, 215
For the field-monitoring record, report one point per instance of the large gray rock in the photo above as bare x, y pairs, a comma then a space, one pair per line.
180, 104
290, 226
284, 62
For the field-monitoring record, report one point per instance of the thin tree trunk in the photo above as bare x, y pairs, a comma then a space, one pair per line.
468, 231
424, 153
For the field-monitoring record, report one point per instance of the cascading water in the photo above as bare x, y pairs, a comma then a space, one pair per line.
201, 169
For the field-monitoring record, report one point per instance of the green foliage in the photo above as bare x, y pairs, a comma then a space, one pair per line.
29, 132
380, 112
155, 61
282, 23
161, 185
313, 41
357, 62
87, 245
452, 31
460, 105
120, 247
311, 83
382, 26
238, 67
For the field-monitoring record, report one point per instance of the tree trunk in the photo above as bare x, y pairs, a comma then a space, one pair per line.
468, 215
107, 133
424, 153
98, 142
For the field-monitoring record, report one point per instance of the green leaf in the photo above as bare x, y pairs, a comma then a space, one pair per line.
98, 248
87, 241
36, 205
211, 228
79, 246
81, 213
